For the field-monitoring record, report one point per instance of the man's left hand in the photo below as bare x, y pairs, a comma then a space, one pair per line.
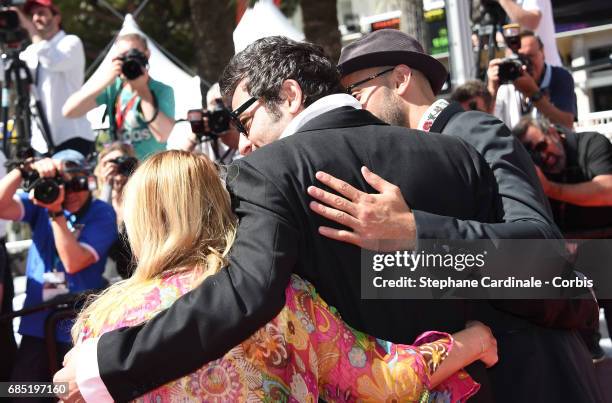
68, 374
373, 218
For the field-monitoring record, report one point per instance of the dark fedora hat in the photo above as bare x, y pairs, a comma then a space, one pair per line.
390, 47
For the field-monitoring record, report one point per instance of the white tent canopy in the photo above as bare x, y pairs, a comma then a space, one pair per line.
186, 88
262, 20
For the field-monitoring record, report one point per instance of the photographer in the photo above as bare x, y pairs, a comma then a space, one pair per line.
140, 109
537, 16
473, 96
71, 236
575, 170
57, 63
222, 149
116, 162
540, 89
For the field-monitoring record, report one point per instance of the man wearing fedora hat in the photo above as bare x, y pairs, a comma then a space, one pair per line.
392, 77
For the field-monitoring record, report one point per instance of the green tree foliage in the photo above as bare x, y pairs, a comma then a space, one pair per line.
166, 21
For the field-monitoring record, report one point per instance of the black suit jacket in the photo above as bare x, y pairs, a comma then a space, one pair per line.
526, 212
278, 235
524, 347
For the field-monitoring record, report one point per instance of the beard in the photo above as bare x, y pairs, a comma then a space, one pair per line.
391, 111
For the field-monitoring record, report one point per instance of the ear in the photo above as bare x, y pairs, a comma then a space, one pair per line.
291, 93
401, 76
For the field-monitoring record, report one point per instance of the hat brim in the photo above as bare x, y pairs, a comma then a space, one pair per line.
435, 71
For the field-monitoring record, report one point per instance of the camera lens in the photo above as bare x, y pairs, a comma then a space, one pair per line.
131, 69
46, 190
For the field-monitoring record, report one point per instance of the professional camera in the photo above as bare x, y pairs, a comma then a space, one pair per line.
511, 67
10, 28
487, 12
217, 120
134, 61
125, 164
47, 190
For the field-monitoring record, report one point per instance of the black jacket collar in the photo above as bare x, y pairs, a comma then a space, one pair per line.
344, 116
445, 116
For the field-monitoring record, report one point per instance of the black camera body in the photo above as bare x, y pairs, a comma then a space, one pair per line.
47, 190
10, 28
511, 68
487, 12
218, 120
134, 61
125, 164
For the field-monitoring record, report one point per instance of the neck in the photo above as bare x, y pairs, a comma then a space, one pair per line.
417, 110
49, 34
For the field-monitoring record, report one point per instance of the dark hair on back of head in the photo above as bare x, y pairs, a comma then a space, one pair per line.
527, 121
472, 89
268, 62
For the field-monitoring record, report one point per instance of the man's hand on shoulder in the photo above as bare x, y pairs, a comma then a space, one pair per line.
373, 218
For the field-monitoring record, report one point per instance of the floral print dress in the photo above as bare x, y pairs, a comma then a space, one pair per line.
307, 352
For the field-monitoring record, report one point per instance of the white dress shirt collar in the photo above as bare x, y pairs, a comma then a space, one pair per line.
317, 108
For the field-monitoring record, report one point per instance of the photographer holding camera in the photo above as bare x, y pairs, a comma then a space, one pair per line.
71, 236
575, 170
57, 63
116, 162
140, 109
537, 88
212, 133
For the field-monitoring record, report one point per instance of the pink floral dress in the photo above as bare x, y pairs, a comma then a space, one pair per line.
305, 353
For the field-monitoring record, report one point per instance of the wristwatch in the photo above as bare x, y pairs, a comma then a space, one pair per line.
536, 96
54, 214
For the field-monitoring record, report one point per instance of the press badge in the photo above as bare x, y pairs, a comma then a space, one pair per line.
54, 284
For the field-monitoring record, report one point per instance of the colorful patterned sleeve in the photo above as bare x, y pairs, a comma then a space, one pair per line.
353, 366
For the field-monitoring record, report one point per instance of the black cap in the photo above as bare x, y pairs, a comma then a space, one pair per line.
390, 47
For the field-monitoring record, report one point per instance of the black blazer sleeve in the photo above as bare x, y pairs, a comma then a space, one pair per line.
220, 313
526, 213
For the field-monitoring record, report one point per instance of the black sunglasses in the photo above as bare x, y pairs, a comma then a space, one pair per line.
235, 114
351, 87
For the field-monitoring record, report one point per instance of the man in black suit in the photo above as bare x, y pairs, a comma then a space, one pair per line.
394, 79
281, 87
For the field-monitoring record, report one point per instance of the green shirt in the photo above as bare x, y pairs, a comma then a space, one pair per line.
135, 129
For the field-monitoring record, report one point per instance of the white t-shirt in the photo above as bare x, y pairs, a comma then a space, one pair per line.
546, 28
60, 74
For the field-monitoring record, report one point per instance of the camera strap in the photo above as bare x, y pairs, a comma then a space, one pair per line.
119, 113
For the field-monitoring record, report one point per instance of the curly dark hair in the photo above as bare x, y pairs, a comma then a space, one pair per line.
268, 62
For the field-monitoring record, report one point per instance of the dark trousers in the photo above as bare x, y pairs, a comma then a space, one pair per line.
32, 364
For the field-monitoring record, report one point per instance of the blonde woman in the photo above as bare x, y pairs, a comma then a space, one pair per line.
181, 228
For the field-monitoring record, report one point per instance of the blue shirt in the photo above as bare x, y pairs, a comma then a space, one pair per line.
558, 84
98, 232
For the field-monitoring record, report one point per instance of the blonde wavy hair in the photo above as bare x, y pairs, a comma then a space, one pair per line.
179, 220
